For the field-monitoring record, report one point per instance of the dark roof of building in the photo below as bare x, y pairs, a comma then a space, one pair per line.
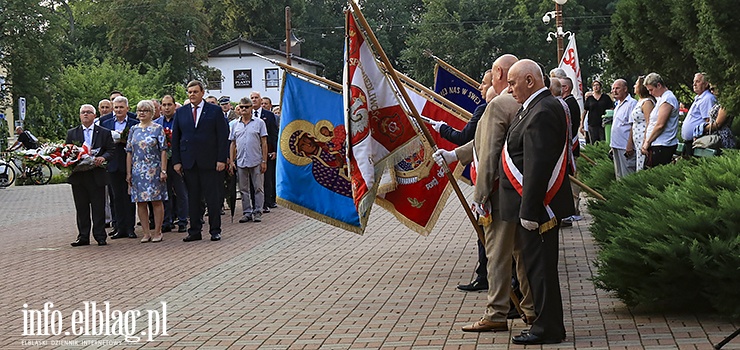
216, 52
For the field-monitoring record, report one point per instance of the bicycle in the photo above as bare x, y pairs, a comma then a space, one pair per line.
39, 173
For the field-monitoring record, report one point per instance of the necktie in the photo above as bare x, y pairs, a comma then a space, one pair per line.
88, 138
255, 114
195, 114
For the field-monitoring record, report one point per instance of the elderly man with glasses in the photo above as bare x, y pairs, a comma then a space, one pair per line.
249, 158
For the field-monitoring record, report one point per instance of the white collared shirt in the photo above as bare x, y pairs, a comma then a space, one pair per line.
529, 100
87, 134
621, 124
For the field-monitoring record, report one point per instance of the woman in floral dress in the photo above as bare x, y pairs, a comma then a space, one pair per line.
639, 118
146, 165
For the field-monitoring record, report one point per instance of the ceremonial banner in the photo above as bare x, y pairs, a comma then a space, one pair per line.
572, 68
312, 174
422, 187
459, 92
379, 131
456, 90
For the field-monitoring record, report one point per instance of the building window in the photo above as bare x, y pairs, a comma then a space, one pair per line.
272, 79
214, 79
242, 78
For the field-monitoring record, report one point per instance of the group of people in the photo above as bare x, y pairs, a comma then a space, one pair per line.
645, 128
168, 161
521, 203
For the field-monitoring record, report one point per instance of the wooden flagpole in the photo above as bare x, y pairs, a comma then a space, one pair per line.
452, 69
415, 114
284, 66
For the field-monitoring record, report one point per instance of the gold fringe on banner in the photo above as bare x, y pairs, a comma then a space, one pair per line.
316, 216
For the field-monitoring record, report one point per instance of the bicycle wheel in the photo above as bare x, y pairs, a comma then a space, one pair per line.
7, 175
40, 174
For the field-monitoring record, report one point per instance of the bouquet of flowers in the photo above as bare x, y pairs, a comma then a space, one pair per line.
120, 137
71, 156
168, 139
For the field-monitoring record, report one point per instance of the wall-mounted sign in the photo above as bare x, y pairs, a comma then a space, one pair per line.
242, 78
272, 79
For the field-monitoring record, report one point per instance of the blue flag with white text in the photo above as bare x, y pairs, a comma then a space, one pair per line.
455, 89
312, 176
459, 92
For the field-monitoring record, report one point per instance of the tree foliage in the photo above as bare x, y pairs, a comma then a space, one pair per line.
470, 34
678, 38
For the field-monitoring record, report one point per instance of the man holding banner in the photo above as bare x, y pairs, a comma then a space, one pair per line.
460, 138
484, 152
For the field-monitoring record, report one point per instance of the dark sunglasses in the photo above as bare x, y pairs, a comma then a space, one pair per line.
244, 107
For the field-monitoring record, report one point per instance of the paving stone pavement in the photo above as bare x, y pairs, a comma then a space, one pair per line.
291, 282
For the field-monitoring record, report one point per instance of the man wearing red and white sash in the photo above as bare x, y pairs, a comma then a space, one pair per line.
536, 194
485, 149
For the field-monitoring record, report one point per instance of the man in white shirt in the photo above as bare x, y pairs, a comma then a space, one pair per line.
249, 158
623, 150
699, 111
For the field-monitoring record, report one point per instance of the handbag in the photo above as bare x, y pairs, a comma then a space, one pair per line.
708, 141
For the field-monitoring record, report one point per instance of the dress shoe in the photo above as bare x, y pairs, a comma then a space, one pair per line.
146, 240
532, 339
131, 235
272, 205
113, 233
167, 228
191, 238
119, 235
78, 243
107, 225
157, 239
182, 228
486, 326
102, 243
216, 237
474, 286
265, 210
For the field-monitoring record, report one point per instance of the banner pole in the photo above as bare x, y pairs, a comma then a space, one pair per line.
449, 67
415, 114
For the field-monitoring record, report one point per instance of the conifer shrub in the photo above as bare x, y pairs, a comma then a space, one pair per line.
668, 236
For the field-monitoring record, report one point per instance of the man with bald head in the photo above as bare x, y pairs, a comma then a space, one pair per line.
623, 150
536, 194
500, 235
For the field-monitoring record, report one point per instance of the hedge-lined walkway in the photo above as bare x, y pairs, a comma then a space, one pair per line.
292, 282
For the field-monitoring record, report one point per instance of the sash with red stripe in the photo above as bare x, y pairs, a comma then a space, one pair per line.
553, 185
474, 168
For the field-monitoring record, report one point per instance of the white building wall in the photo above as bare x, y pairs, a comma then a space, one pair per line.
228, 62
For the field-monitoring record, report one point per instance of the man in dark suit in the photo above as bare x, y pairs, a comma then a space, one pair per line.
272, 138
536, 194
461, 137
110, 114
200, 147
88, 187
125, 210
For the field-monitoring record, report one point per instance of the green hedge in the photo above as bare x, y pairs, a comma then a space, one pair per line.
668, 236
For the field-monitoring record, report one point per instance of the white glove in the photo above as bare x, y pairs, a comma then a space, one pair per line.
437, 124
482, 209
529, 225
442, 156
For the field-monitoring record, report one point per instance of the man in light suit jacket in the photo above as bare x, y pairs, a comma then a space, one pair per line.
536, 194
200, 146
88, 187
124, 208
500, 235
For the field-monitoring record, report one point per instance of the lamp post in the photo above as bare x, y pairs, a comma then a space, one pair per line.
559, 33
190, 47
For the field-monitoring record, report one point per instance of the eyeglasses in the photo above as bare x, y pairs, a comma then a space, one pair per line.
244, 107
87, 112
143, 110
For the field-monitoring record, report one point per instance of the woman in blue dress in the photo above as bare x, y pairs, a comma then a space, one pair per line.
146, 165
